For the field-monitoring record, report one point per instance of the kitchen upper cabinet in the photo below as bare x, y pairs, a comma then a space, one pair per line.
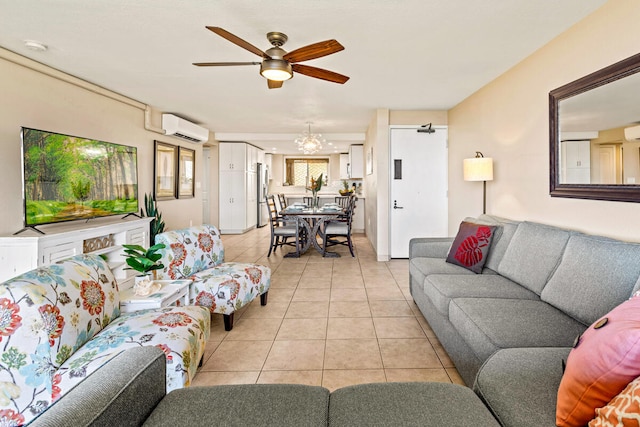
356, 161
233, 156
344, 166
252, 158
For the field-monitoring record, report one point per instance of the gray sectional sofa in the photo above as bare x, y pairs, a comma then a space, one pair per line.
509, 328
129, 391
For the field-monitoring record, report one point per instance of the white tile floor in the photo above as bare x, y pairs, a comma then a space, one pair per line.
329, 321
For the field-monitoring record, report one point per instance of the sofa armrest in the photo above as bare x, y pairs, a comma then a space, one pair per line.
429, 247
123, 392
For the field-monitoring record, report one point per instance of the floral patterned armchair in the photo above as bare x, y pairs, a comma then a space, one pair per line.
197, 253
60, 323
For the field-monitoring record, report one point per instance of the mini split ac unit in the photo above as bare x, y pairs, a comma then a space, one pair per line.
184, 129
632, 133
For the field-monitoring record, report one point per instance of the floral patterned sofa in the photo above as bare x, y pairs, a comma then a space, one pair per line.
197, 253
60, 323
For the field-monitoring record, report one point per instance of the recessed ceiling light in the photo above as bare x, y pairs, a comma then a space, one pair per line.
36, 46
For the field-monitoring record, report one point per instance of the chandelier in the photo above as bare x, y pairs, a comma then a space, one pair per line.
310, 143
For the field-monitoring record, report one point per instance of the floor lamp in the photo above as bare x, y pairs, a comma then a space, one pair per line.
479, 168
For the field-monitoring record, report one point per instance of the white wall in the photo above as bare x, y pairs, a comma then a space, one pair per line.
32, 97
508, 120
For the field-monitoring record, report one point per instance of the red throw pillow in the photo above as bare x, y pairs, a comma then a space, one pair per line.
471, 246
605, 359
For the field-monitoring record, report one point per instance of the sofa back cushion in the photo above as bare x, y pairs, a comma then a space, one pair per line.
533, 254
189, 251
501, 239
595, 275
48, 314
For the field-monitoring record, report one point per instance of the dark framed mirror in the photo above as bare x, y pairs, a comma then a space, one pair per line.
594, 135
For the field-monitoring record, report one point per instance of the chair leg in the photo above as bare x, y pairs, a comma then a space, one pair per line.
228, 321
350, 246
263, 298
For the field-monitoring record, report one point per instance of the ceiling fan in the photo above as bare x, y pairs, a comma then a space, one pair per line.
277, 65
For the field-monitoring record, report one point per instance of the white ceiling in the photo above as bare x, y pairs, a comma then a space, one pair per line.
400, 55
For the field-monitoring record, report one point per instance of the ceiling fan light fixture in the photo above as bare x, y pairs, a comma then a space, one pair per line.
277, 70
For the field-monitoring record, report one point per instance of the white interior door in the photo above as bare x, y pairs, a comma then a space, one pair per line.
419, 205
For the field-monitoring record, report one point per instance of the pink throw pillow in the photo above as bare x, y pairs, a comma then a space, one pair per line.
605, 359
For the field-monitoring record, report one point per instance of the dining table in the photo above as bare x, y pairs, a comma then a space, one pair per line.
312, 220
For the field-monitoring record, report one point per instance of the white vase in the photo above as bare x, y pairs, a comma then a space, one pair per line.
142, 278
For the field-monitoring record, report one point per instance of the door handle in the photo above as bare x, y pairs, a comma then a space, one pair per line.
395, 205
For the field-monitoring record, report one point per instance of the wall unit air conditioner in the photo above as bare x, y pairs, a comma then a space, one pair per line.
632, 133
184, 129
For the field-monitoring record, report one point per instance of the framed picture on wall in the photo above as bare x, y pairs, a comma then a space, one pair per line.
186, 173
165, 168
369, 162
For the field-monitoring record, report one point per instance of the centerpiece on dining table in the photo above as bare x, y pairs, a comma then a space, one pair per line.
316, 185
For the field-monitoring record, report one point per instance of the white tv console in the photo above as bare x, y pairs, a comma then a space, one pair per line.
101, 236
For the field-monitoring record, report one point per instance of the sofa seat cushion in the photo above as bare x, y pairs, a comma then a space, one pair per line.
533, 254
490, 324
420, 268
181, 332
408, 404
441, 288
229, 286
595, 275
519, 385
244, 405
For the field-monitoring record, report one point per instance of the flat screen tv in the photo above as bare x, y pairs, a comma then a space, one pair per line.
68, 178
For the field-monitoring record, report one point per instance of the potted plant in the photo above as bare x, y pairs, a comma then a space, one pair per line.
316, 185
144, 261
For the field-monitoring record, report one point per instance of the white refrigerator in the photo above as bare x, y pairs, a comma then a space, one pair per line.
263, 189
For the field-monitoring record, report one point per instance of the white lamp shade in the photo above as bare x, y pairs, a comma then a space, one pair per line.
478, 169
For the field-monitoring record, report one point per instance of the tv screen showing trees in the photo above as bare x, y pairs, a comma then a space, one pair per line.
68, 178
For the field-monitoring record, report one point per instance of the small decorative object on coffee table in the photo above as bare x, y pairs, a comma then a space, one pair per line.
144, 261
166, 293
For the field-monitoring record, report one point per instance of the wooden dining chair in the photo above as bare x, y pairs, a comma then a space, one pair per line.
281, 232
335, 230
343, 201
307, 200
282, 200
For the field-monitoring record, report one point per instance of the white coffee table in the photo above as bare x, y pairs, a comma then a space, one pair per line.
172, 292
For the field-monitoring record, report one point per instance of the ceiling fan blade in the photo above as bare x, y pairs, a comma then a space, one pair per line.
274, 84
313, 51
223, 64
238, 41
319, 73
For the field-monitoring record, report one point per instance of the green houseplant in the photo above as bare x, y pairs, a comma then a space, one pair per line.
151, 210
143, 260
